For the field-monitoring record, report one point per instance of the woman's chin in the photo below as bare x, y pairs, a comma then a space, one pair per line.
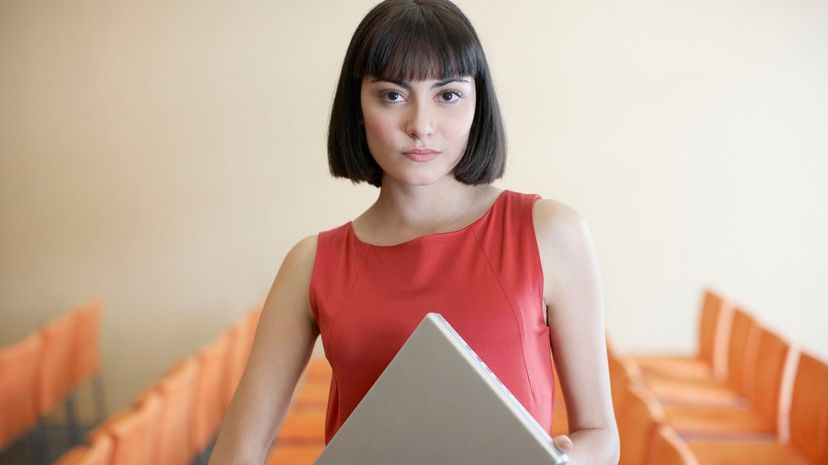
418, 179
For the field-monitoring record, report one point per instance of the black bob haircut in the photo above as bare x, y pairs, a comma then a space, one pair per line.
410, 40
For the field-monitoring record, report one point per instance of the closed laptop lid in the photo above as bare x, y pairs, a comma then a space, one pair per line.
438, 403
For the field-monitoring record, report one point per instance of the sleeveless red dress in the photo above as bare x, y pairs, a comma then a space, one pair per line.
485, 279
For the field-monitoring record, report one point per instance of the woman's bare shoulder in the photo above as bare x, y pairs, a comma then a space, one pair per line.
296, 270
305, 247
563, 237
300, 257
553, 218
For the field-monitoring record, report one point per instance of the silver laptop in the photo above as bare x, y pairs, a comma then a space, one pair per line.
437, 403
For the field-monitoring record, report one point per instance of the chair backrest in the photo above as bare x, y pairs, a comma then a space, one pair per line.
668, 448
712, 333
54, 380
809, 408
97, 453
237, 347
769, 368
87, 342
132, 432
240, 342
739, 347
637, 423
623, 373
209, 404
318, 370
178, 390
18, 379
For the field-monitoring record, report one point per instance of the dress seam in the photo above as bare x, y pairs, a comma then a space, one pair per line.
514, 314
338, 315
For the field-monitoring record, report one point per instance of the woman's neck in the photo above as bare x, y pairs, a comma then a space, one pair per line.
417, 210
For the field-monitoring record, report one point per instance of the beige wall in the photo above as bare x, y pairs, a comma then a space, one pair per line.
165, 155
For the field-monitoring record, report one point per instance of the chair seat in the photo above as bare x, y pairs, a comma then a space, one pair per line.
696, 392
747, 453
289, 454
692, 421
679, 367
318, 370
311, 395
98, 453
303, 425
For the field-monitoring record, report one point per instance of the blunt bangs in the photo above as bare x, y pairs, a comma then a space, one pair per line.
414, 40
417, 44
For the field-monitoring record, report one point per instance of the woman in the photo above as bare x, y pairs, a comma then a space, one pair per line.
415, 114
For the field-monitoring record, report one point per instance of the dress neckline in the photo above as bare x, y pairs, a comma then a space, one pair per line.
487, 213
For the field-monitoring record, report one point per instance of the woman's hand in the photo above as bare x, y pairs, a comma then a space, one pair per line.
563, 443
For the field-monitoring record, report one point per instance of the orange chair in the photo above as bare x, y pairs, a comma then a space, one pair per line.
240, 341
134, 432
294, 454
240, 338
87, 343
304, 426
18, 375
310, 395
54, 379
318, 371
623, 374
314, 385
237, 346
209, 400
301, 436
742, 345
97, 453
176, 390
87, 350
809, 427
668, 448
639, 419
759, 420
560, 419
708, 363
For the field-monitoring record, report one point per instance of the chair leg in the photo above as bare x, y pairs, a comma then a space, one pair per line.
32, 439
72, 420
39, 446
201, 458
98, 398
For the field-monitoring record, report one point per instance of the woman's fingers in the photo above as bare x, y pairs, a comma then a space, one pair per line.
563, 443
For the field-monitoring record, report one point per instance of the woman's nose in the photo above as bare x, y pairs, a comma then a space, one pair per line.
420, 122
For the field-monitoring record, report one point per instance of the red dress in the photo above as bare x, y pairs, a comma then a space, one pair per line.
485, 279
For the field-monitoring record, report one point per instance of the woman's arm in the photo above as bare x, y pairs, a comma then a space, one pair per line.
281, 350
572, 293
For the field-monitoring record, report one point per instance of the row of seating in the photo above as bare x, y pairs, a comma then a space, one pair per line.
746, 390
175, 421
746, 397
44, 370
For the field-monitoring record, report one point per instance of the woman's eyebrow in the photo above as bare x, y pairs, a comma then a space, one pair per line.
406, 85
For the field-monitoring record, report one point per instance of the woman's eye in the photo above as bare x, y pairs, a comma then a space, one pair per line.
450, 96
393, 96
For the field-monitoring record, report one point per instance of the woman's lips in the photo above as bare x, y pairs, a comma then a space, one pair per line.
421, 155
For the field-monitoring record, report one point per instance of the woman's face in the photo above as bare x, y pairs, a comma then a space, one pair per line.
417, 131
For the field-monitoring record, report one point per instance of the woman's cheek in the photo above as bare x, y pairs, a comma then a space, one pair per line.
380, 136
381, 132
